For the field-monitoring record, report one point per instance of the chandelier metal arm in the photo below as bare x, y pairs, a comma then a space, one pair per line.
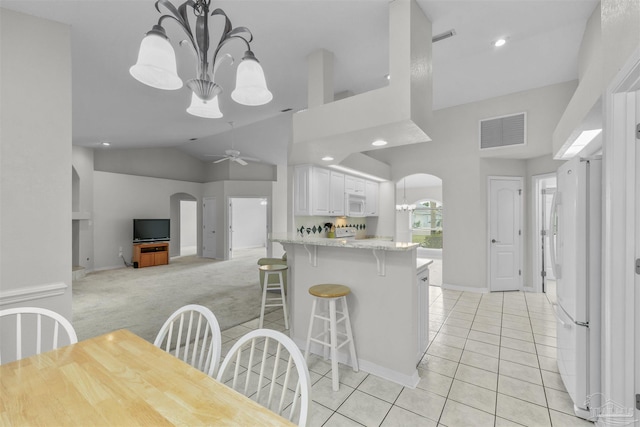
156, 65
200, 42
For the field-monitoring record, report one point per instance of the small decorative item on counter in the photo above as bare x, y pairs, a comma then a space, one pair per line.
330, 229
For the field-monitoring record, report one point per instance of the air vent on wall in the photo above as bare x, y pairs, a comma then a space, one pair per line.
503, 131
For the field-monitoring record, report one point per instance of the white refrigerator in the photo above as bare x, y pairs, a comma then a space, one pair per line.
577, 261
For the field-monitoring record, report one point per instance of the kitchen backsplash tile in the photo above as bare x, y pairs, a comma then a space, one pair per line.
319, 225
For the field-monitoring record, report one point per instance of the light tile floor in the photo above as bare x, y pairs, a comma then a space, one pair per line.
491, 361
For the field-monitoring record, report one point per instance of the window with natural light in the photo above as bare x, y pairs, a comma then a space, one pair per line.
426, 224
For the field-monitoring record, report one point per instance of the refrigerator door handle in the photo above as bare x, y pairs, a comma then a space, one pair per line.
555, 309
555, 267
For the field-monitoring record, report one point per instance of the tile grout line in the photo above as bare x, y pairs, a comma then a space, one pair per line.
544, 390
457, 366
495, 420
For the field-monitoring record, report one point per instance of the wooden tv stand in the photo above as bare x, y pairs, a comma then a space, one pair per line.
150, 254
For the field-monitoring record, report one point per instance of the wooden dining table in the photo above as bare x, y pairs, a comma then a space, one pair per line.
120, 379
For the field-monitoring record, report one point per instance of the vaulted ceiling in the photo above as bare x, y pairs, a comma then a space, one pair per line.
543, 38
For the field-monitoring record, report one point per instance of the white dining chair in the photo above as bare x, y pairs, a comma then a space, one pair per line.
278, 377
36, 330
192, 333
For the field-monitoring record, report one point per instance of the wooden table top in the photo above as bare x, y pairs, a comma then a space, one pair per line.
120, 379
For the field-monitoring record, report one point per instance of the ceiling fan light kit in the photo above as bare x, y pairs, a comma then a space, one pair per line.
156, 65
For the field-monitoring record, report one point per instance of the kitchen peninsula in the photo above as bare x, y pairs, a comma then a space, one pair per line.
388, 304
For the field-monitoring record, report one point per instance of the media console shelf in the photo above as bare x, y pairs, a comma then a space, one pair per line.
150, 254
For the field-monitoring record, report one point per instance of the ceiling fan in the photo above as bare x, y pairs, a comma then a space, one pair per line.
233, 155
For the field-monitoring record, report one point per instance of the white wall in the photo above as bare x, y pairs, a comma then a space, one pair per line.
118, 199
169, 163
188, 223
454, 157
35, 160
249, 223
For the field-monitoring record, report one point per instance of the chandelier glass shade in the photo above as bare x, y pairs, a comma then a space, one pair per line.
207, 109
251, 86
156, 65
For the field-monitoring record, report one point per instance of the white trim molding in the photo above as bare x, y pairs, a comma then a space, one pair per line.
618, 292
465, 288
31, 293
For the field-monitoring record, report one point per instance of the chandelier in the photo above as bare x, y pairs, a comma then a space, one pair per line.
156, 65
404, 207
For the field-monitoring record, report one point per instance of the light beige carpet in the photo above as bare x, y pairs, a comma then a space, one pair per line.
142, 299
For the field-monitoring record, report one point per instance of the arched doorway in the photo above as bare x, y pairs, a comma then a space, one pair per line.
184, 223
420, 218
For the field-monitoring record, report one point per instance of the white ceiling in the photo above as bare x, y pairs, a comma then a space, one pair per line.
109, 105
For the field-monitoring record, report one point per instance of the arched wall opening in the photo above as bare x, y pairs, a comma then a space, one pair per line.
420, 218
183, 215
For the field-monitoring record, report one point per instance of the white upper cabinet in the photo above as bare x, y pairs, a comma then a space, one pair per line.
321, 192
371, 198
354, 185
302, 190
327, 192
336, 196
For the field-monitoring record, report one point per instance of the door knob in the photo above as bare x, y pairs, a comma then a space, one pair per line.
494, 241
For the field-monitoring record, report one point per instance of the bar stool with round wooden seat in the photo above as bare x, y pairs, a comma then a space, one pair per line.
279, 301
330, 293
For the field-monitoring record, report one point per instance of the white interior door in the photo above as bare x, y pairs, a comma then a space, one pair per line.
209, 240
548, 231
505, 233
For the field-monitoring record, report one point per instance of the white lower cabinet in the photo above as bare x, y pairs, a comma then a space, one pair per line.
422, 281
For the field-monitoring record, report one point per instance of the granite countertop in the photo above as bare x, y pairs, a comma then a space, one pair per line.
376, 244
423, 263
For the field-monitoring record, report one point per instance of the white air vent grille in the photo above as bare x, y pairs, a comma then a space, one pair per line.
503, 131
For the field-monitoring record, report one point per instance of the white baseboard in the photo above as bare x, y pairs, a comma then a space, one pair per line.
31, 293
113, 267
464, 288
410, 381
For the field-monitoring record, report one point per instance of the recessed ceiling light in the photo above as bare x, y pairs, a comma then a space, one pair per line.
499, 42
388, 76
105, 144
379, 143
327, 158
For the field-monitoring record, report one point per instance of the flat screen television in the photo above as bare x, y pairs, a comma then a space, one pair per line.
151, 230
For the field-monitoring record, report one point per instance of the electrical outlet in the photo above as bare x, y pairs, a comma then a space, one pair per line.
120, 251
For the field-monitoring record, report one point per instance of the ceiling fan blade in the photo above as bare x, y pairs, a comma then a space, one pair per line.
221, 160
251, 159
241, 161
214, 155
